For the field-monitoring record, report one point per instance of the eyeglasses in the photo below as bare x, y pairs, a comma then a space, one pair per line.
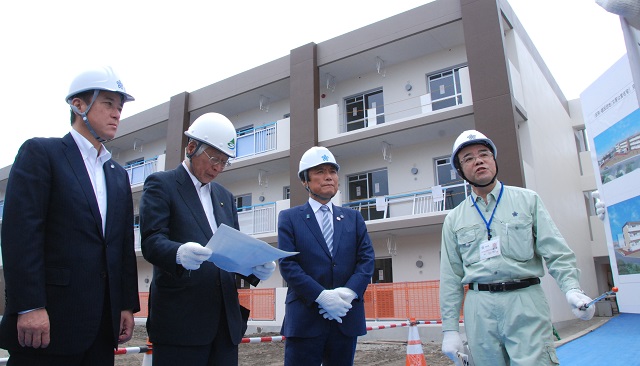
470, 159
217, 161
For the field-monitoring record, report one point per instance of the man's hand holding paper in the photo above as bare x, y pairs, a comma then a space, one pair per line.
234, 251
264, 271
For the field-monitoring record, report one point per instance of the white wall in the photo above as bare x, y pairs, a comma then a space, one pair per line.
257, 117
551, 168
398, 102
410, 249
403, 159
272, 191
150, 149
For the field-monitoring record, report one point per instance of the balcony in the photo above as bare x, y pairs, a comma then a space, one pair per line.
332, 121
435, 200
262, 218
267, 138
257, 140
139, 171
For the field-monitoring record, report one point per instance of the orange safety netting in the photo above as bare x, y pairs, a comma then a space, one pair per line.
383, 301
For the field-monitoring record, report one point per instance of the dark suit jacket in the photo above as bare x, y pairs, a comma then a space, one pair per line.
55, 255
314, 269
185, 306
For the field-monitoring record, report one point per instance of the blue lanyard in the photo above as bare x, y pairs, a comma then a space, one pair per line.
488, 224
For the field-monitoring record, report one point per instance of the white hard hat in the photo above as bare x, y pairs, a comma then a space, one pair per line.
216, 131
313, 157
470, 137
102, 78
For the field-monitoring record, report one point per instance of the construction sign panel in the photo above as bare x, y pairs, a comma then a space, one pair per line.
612, 119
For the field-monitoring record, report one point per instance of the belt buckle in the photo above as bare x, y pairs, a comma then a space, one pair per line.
498, 287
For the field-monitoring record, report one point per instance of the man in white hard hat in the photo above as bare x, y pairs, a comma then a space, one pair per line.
195, 317
497, 241
67, 238
326, 281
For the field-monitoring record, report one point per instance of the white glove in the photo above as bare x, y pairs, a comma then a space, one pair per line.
451, 345
191, 255
576, 299
264, 271
599, 205
334, 307
346, 294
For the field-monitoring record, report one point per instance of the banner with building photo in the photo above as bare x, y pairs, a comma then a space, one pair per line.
612, 120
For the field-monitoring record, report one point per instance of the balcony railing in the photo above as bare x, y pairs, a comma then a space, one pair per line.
257, 140
406, 204
139, 171
258, 219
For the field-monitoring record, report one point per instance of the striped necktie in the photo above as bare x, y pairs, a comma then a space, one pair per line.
327, 228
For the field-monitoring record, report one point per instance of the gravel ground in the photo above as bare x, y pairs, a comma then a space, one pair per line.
368, 353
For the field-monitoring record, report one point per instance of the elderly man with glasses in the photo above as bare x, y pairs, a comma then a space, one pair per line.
195, 317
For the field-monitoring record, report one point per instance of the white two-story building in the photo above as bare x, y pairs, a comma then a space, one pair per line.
388, 100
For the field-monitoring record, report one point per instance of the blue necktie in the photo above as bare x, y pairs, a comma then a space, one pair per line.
327, 229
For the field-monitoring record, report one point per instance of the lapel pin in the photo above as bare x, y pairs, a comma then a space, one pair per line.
308, 216
112, 166
338, 218
221, 203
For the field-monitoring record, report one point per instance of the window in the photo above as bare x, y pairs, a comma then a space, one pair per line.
243, 202
590, 205
447, 176
582, 142
445, 88
255, 140
364, 110
286, 192
245, 144
363, 187
136, 170
383, 272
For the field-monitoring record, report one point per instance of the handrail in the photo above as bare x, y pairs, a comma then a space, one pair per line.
246, 131
401, 195
141, 162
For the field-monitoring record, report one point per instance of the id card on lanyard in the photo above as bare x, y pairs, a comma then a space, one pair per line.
490, 248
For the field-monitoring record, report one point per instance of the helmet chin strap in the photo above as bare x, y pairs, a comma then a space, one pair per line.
306, 186
194, 150
86, 119
481, 185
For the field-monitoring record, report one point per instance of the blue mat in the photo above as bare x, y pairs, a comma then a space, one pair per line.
614, 343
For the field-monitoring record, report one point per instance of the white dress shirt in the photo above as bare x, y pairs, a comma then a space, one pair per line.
94, 161
204, 192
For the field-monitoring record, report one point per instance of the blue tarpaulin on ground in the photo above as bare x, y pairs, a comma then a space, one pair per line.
613, 343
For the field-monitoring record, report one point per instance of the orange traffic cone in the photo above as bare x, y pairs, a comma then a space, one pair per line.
147, 358
415, 356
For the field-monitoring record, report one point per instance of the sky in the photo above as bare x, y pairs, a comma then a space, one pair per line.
160, 49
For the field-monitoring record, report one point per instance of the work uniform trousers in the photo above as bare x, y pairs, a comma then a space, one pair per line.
510, 328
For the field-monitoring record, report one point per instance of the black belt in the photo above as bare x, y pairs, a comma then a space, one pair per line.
505, 286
